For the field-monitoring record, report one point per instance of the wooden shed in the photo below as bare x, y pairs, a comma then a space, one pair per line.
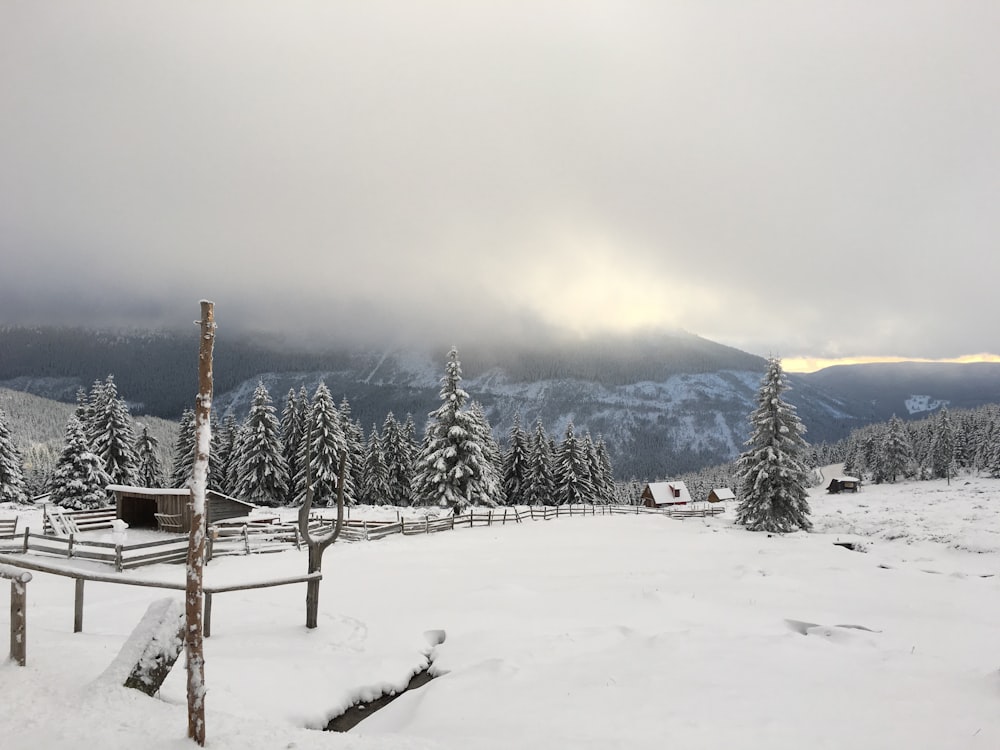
843, 484
659, 494
721, 495
169, 509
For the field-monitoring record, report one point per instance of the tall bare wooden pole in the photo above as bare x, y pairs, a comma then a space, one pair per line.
194, 594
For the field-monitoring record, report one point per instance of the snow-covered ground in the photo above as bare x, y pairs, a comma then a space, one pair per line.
595, 632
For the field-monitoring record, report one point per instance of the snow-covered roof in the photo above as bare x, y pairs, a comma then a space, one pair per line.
182, 492
724, 493
846, 479
664, 493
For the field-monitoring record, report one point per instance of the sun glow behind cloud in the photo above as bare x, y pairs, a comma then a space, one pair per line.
812, 364
580, 284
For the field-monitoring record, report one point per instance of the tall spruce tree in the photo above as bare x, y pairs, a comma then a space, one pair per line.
374, 487
452, 470
79, 479
262, 476
898, 453
943, 446
772, 471
112, 435
354, 437
602, 473
516, 465
220, 467
324, 442
149, 473
397, 452
292, 422
572, 472
12, 484
183, 458
541, 478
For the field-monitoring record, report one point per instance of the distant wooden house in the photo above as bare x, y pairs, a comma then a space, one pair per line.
169, 509
660, 494
721, 495
843, 484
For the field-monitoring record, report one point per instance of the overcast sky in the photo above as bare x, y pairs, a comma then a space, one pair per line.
800, 178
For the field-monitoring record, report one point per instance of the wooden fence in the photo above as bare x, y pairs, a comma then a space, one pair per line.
253, 538
122, 556
81, 576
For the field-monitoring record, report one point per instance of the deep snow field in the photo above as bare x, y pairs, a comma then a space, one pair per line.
594, 632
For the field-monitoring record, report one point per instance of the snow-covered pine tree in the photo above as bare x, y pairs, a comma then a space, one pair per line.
397, 455
112, 436
292, 421
516, 465
374, 487
95, 404
324, 442
943, 446
540, 488
898, 453
772, 472
451, 469
79, 478
262, 474
572, 474
484, 431
602, 473
354, 435
12, 485
183, 458
220, 458
491, 452
148, 471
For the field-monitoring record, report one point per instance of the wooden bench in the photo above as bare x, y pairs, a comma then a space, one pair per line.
173, 522
8, 527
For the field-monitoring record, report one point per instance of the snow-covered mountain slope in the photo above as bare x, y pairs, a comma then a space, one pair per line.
652, 428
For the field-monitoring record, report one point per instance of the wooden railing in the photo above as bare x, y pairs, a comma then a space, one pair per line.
122, 556
81, 576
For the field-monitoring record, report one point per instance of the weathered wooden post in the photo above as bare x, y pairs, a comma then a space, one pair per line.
317, 545
194, 592
78, 606
18, 611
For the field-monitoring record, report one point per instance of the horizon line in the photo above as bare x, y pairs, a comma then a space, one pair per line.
803, 365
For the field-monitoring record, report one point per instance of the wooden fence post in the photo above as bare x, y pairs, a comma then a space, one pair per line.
118, 558
27, 530
207, 623
69, 549
246, 539
78, 606
18, 612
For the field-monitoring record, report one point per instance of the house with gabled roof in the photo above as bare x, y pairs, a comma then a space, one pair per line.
721, 495
661, 494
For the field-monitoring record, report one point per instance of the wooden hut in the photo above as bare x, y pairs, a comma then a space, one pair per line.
720, 495
660, 494
843, 484
169, 509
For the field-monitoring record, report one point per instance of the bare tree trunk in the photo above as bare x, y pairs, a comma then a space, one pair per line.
194, 594
318, 545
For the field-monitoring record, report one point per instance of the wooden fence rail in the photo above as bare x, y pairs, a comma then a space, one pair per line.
81, 576
122, 556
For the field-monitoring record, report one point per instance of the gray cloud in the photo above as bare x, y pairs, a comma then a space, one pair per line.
805, 178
